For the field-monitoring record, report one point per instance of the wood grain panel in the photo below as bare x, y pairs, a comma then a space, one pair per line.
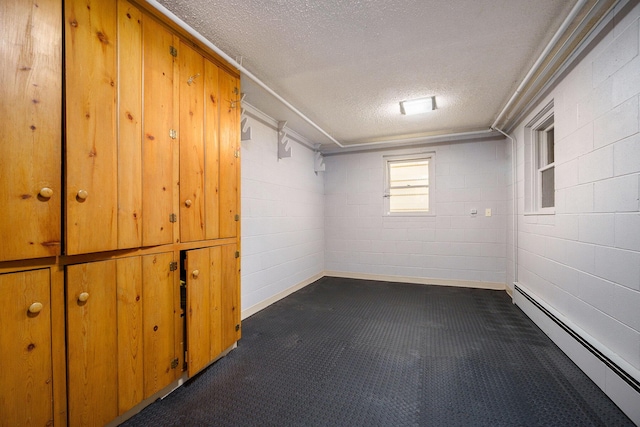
230, 289
198, 310
229, 143
59, 345
157, 145
211, 149
215, 277
92, 344
91, 149
30, 152
129, 125
26, 376
158, 322
130, 342
192, 197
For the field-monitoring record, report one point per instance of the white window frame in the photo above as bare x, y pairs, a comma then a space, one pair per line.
536, 162
387, 161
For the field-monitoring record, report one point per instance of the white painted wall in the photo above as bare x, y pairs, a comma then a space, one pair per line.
282, 219
452, 246
584, 261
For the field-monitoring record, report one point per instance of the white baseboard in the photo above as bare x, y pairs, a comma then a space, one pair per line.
605, 368
419, 280
277, 297
399, 279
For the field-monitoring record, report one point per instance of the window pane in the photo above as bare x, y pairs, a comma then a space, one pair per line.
409, 173
409, 199
550, 146
548, 188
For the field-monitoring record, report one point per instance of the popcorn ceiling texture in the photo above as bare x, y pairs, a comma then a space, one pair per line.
347, 64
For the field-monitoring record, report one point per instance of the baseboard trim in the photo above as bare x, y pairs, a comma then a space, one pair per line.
604, 366
277, 297
419, 280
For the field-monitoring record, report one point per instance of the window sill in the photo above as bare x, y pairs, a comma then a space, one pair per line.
407, 215
542, 212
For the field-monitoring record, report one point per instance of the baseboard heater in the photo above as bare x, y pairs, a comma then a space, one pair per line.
634, 383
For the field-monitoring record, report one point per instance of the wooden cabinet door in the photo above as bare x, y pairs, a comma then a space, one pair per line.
213, 297
229, 149
129, 325
26, 393
92, 343
160, 303
200, 309
91, 146
192, 149
212, 149
230, 295
158, 142
129, 125
30, 149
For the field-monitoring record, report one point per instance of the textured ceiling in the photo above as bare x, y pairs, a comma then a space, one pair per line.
346, 64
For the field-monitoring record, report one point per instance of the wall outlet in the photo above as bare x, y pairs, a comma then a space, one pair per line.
487, 212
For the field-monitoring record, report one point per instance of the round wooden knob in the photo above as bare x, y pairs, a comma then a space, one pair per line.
35, 307
187, 203
195, 273
83, 194
46, 192
83, 296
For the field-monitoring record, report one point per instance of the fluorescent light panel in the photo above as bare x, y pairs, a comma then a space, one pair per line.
417, 106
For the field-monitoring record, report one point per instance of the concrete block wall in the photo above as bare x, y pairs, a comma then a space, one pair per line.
453, 245
584, 261
282, 219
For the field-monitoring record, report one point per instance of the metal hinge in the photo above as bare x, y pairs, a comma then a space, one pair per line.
237, 254
237, 217
236, 154
237, 327
174, 363
173, 266
173, 51
173, 134
173, 218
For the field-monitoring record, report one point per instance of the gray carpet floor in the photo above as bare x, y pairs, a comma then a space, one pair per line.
345, 352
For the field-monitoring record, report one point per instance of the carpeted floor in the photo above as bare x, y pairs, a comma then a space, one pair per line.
344, 352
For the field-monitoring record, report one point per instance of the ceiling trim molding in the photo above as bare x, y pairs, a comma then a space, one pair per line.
564, 48
414, 142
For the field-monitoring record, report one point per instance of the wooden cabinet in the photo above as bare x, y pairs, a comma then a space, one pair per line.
26, 376
152, 134
119, 156
90, 101
121, 334
147, 126
30, 162
213, 310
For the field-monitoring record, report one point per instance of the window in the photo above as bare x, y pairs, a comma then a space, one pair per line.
407, 184
546, 170
540, 163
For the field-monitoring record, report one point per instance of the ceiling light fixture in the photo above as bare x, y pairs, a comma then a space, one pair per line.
418, 106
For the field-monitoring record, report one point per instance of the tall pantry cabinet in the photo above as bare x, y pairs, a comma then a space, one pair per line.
119, 261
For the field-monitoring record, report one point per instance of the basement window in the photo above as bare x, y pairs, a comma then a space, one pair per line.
408, 184
540, 162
